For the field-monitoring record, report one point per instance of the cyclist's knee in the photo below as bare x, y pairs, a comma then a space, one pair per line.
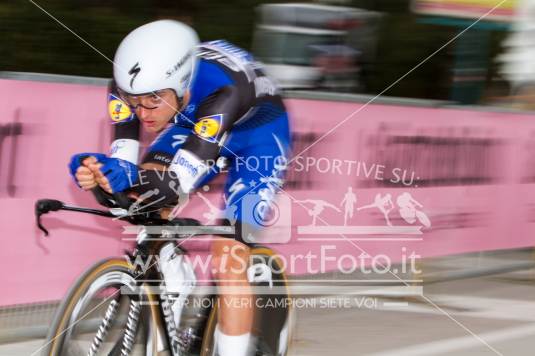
229, 258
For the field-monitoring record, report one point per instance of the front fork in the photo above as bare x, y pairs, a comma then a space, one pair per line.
148, 312
125, 344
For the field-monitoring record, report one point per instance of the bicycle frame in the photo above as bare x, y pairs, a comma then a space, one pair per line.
163, 331
168, 329
165, 334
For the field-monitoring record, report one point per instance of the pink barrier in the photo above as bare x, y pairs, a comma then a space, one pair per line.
469, 174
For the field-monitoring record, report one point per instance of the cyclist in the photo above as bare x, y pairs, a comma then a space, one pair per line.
209, 102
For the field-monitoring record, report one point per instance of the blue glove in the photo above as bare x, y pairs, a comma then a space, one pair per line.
76, 162
121, 174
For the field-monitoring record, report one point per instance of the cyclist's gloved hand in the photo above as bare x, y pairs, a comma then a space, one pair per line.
121, 174
76, 162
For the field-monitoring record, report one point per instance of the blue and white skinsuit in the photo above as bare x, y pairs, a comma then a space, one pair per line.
235, 115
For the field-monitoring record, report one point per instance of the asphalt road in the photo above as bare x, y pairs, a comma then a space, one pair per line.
493, 315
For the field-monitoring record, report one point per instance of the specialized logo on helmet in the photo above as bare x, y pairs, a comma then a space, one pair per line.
208, 127
177, 65
134, 71
118, 110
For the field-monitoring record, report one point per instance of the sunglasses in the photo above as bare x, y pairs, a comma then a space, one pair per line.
150, 101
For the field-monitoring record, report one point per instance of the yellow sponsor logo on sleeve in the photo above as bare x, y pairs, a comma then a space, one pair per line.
208, 127
118, 110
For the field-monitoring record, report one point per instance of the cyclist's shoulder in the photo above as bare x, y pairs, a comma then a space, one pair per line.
211, 75
222, 47
223, 62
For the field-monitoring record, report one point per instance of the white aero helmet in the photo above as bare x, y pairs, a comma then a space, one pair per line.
156, 56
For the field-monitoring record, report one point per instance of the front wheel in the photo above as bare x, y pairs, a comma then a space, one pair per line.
273, 311
100, 315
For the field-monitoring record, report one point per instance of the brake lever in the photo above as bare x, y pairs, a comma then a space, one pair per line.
40, 226
44, 206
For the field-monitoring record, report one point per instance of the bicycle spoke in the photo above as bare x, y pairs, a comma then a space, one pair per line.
131, 327
104, 327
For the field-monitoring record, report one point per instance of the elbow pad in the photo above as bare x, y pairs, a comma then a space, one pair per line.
126, 143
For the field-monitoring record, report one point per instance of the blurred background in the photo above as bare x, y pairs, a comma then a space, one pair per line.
453, 125
358, 46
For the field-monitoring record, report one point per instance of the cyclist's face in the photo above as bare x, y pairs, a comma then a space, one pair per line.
154, 110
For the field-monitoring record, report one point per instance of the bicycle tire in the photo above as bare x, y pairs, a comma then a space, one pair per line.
57, 332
